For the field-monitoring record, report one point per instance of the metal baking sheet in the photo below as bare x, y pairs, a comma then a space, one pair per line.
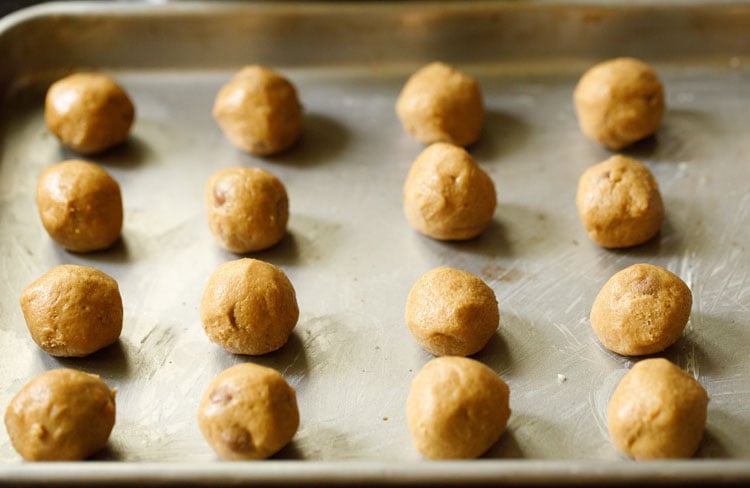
350, 253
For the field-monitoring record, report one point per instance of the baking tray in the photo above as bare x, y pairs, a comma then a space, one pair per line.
350, 253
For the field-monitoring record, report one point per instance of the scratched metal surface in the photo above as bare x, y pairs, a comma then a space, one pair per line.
350, 253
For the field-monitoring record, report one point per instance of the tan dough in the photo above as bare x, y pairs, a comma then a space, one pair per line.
61, 415
259, 111
439, 103
619, 102
447, 195
248, 412
619, 203
249, 307
457, 408
73, 311
451, 312
248, 209
640, 310
657, 411
80, 206
88, 112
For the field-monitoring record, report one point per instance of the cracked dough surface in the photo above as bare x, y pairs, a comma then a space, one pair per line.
80, 205
451, 312
73, 310
619, 203
249, 307
88, 112
248, 412
440, 103
447, 195
247, 208
457, 408
657, 411
641, 310
61, 415
258, 110
619, 101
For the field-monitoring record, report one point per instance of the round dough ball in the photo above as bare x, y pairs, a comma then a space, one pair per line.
657, 411
80, 206
451, 312
457, 408
88, 112
447, 195
439, 103
73, 311
619, 203
248, 209
619, 102
641, 310
258, 111
249, 307
248, 412
61, 415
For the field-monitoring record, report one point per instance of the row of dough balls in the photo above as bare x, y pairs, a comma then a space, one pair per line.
76, 310
258, 110
618, 102
250, 307
447, 195
250, 412
80, 206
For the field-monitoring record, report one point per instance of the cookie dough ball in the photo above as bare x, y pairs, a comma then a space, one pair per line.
248, 209
258, 111
619, 102
73, 311
641, 310
80, 206
447, 195
61, 415
248, 412
451, 312
88, 112
457, 408
657, 411
441, 104
249, 307
619, 203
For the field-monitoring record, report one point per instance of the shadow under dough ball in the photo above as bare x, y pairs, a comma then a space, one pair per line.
61, 415
249, 307
457, 408
619, 101
88, 112
619, 203
447, 195
247, 208
248, 412
259, 111
657, 411
440, 103
73, 311
80, 206
641, 310
451, 312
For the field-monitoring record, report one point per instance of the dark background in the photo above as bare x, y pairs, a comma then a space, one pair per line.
8, 6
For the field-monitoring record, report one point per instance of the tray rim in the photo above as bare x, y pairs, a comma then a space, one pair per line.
190, 9
517, 472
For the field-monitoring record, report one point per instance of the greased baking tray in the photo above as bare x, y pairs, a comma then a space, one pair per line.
350, 253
